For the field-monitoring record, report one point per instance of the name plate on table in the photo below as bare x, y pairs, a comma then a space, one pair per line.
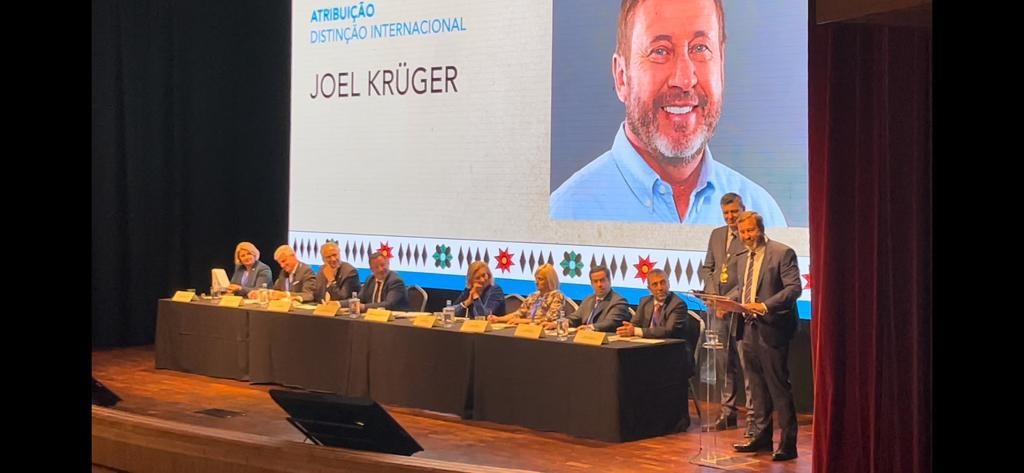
475, 326
230, 301
329, 309
529, 331
280, 305
424, 321
590, 337
375, 315
183, 296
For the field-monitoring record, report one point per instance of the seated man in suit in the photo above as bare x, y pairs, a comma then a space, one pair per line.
659, 315
765, 279
336, 279
384, 288
295, 280
604, 310
663, 314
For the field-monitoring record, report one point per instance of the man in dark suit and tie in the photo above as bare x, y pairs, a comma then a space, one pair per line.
765, 279
336, 280
384, 288
724, 243
661, 314
295, 280
604, 310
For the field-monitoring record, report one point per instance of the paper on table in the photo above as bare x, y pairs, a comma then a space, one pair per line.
304, 306
409, 315
649, 341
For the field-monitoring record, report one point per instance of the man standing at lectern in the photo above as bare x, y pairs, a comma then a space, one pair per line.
724, 243
765, 279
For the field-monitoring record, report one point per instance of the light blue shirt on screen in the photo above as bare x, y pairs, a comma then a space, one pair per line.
619, 185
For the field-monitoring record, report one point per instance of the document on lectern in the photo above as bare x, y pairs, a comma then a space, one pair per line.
724, 304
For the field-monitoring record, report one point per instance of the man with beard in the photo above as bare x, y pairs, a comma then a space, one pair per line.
669, 71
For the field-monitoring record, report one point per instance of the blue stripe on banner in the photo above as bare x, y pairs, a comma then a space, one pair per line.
524, 288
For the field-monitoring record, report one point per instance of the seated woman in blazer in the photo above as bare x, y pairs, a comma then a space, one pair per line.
250, 273
481, 297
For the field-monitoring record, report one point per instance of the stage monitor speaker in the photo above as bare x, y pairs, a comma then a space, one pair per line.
101, 396
338, 421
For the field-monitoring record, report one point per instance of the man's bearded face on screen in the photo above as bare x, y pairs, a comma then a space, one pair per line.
672, 80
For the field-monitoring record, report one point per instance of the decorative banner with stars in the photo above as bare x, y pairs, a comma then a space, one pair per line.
385, 250
643, 267
572, 265
505, 260
442, 256
449, 257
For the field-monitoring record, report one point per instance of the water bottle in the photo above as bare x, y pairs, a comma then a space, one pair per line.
263, 295
562, 325
353, 305
448, 314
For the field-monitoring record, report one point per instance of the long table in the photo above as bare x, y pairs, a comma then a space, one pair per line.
617, 392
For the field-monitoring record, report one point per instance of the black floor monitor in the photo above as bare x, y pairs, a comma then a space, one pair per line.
101, 396
338, 421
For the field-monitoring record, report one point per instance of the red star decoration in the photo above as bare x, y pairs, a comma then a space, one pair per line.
385, 250
505, 260
643, 267
808, 278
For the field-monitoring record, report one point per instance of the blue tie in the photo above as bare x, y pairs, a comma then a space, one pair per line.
593, 311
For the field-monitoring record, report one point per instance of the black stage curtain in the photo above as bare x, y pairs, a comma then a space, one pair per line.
189, 149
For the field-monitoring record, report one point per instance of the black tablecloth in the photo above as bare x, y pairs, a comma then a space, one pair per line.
617, 392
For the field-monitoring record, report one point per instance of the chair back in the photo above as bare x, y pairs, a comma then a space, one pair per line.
512, 303
417, 299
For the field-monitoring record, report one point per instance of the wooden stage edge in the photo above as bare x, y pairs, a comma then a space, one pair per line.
173, 421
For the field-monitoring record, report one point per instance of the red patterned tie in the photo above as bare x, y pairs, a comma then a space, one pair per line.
656, 317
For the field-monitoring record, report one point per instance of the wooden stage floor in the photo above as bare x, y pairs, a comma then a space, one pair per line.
171, 395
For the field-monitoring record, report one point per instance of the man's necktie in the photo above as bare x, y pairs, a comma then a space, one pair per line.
748, 293
593, 311
377, 291
656, 317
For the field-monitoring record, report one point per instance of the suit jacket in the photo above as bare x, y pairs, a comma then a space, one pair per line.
346, 282
612, 312
717, 256
261, 275
675, 321
491, 301
778, 287
301, 284
393, 295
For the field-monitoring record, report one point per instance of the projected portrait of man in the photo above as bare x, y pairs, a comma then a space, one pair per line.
669, 71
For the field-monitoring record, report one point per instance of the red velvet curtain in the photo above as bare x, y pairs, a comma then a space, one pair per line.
871, 243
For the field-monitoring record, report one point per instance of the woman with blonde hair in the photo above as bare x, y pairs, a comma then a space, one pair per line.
543, 306
481, 297
250, 273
